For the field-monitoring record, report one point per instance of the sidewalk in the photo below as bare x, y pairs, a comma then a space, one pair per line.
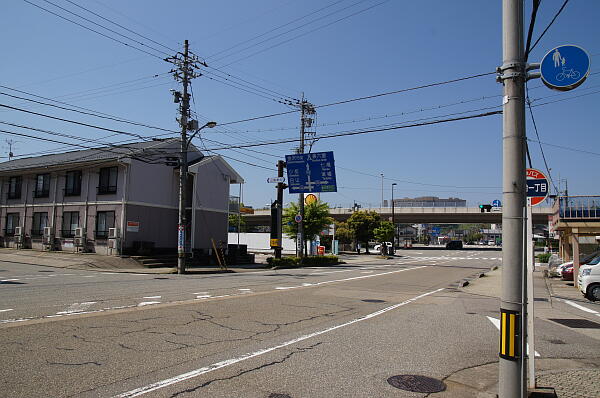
101, 263
570, 378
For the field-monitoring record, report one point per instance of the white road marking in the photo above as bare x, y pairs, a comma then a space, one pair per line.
6, 310
148, 303
245, 290
203, 296
152, 297
77, 308
201, 293
581, 307
228, 362
496, 323
8, 280
348, 279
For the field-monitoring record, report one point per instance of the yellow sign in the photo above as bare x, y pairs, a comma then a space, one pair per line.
310, 198
275, 243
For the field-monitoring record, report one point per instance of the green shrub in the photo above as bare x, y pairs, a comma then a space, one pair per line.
320, 260
544, 257
287, 262
293, 262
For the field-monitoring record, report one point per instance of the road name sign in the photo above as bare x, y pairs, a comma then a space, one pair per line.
496, 209
273, 180
311, 172
537, 186
565, 67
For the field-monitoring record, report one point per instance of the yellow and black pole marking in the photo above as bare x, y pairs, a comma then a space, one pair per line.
510, 334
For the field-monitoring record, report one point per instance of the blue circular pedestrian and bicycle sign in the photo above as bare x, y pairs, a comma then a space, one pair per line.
565, 67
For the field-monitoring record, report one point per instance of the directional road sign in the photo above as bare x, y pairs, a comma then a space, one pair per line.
272, 180
537, 186
496, 203
311, 172
565, 67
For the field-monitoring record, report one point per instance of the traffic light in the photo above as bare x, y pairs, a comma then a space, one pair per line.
484, 208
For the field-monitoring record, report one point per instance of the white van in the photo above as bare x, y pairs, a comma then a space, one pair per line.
588, 279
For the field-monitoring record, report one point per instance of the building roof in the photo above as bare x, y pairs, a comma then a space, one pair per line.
146, 150
224, 167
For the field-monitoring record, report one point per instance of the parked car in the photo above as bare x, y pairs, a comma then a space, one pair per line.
388, 246
567, 273
454, 245
588, 279
557, 271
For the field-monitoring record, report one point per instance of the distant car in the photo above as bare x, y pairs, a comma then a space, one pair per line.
454, 245
388, 246
567, 273
491, 243
583, 260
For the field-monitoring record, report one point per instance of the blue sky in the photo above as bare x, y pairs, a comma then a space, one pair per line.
346, 49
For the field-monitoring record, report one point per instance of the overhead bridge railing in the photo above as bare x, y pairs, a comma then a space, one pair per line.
580, 207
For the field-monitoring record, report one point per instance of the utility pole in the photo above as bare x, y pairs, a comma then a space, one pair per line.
306, 120
185, 64
381, 191
513, 76
393, 221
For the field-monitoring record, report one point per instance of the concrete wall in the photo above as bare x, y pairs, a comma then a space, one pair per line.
260, 241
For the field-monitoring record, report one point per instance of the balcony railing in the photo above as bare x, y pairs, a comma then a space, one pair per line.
577, 207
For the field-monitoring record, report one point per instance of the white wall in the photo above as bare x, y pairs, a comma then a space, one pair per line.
260, 241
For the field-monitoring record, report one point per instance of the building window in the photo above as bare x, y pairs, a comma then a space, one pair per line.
73, 183
108, 180
69, 223
104, 221
40, 221
14, 187
42, 186
12, 221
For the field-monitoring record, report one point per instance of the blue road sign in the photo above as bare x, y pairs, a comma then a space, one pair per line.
311, 172
496, 203
565, 67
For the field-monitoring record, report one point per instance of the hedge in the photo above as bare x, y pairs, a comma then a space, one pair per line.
294, 262
544, 257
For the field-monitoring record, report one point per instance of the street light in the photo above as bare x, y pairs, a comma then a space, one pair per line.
393, 222
183, 172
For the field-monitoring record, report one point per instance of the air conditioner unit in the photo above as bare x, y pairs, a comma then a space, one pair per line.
79, 241
48, 231
113, 233
18, 231
112, 244
79, 232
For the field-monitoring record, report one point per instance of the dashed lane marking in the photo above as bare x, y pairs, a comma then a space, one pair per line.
144, 303
228, 362
581, 307
7, 309
152, 297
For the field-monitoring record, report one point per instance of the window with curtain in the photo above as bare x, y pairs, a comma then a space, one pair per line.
104, 221
69, 223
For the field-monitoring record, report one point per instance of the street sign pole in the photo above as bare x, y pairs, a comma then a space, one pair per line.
530, 296
300, 237
513, 76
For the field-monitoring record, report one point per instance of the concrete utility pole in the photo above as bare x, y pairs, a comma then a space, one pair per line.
183, 165
186, 64
513, 76
300, 237
381, 190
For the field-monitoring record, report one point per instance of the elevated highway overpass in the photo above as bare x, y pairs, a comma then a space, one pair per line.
417, 215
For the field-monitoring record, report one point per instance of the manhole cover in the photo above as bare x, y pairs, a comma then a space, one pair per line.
417, 383
577, 323
275, 395
373, 301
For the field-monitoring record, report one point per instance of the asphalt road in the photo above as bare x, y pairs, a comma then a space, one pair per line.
313, 332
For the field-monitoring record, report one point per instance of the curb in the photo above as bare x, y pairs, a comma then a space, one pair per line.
467, 281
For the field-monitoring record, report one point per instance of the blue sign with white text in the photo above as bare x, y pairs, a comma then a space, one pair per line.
565, 67
311, 172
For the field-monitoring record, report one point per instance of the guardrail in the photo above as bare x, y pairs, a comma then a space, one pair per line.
578, 207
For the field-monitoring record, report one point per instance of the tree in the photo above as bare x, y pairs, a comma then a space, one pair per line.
316, 219
343, 232
233, 223
363, 224
384, 232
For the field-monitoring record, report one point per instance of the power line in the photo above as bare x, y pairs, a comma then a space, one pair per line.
565, 147
365, 131
75, 122
93, 30
306, 33
550, 24
120, 26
